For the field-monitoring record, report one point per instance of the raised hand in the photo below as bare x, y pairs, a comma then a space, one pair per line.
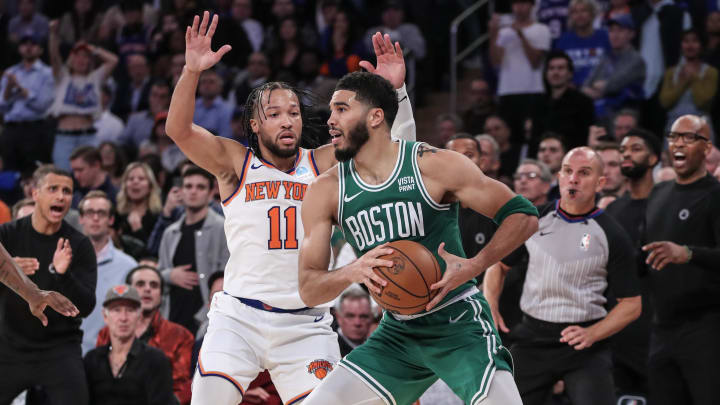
390, 62
54, 300
198, 54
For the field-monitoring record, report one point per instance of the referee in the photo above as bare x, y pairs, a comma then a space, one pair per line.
577, 253
682, 236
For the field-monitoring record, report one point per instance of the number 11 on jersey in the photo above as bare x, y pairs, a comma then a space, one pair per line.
290, 241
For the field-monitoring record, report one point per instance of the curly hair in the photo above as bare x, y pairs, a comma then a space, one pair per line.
153, 199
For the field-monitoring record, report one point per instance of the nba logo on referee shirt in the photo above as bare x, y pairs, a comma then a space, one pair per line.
585, 242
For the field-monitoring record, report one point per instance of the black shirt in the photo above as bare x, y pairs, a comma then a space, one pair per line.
184, 304
20, 332
145, 378
686, 215
630, 345
570, 115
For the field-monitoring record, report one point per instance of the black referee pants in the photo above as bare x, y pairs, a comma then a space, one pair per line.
540, 360
61, 377
684, 365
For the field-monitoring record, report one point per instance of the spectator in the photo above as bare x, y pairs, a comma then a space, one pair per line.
281, 10
211, 111
617, 9
26, 93
23, 208
132, 95
285, 54
353, 316
641, 152
161, 144
342, 49
551, 151
491, 152
393, 23
509, 154
554, 14
109, 126
615, 184
661, 24
625, 120
174, 340
712, 31
565, 325
137, 373
28, 22
681, 234
617, 80
447, 125
532, 180
177, 63
96, 218
5, 213
89, 174
77, 95
256, 74
712, 160
475, 229
233, 30
81, 23
585, 45
113, 162
242, 11
518, 52
132, 37
138, 201
192, 249
565, 110
311, 80
140, 124
480, 106
58, 258
215, 284
690, 86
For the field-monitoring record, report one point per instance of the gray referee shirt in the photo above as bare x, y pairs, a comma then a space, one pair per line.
572, 261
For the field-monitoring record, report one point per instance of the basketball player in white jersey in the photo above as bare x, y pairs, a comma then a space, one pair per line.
260, 322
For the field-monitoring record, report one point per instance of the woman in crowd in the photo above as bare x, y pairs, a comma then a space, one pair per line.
77, 94
138, 202
113, 161
690, 86
285, 57
342, 48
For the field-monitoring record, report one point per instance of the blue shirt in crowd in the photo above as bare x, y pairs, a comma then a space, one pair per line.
586, 53
39, 83
215, 118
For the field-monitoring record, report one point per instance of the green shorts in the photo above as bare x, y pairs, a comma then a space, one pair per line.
458, 344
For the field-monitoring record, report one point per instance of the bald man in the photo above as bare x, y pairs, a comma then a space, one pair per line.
682, 243
577, 253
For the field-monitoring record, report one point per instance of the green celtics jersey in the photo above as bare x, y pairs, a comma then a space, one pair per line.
399, 208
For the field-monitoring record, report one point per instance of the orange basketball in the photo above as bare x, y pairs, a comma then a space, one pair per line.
408, 282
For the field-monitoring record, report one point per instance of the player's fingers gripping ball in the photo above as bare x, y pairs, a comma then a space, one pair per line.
414, 270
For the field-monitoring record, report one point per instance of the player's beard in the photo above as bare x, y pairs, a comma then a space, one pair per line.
356, 138
276, 150
636, 171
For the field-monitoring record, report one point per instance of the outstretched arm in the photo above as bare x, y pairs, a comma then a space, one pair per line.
12, 276
317, 284
484, 195
215, 154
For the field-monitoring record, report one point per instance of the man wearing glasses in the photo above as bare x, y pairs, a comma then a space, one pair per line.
682, 242
96, 219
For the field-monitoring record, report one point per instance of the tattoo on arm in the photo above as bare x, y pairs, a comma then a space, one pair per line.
424, 149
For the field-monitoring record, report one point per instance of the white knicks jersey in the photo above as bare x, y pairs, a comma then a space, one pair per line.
264, 230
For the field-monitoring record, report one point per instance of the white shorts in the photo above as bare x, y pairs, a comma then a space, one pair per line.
298, 349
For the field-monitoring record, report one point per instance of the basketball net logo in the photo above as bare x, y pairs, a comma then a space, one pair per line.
320, 368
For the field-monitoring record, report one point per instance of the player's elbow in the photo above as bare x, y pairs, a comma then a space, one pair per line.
529, 225
305, 291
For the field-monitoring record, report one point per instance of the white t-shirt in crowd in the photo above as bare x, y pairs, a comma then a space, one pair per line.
517, 76
78, 95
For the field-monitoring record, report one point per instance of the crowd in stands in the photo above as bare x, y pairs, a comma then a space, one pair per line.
86, 85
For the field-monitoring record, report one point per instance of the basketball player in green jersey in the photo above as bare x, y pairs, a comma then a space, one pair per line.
383, 191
